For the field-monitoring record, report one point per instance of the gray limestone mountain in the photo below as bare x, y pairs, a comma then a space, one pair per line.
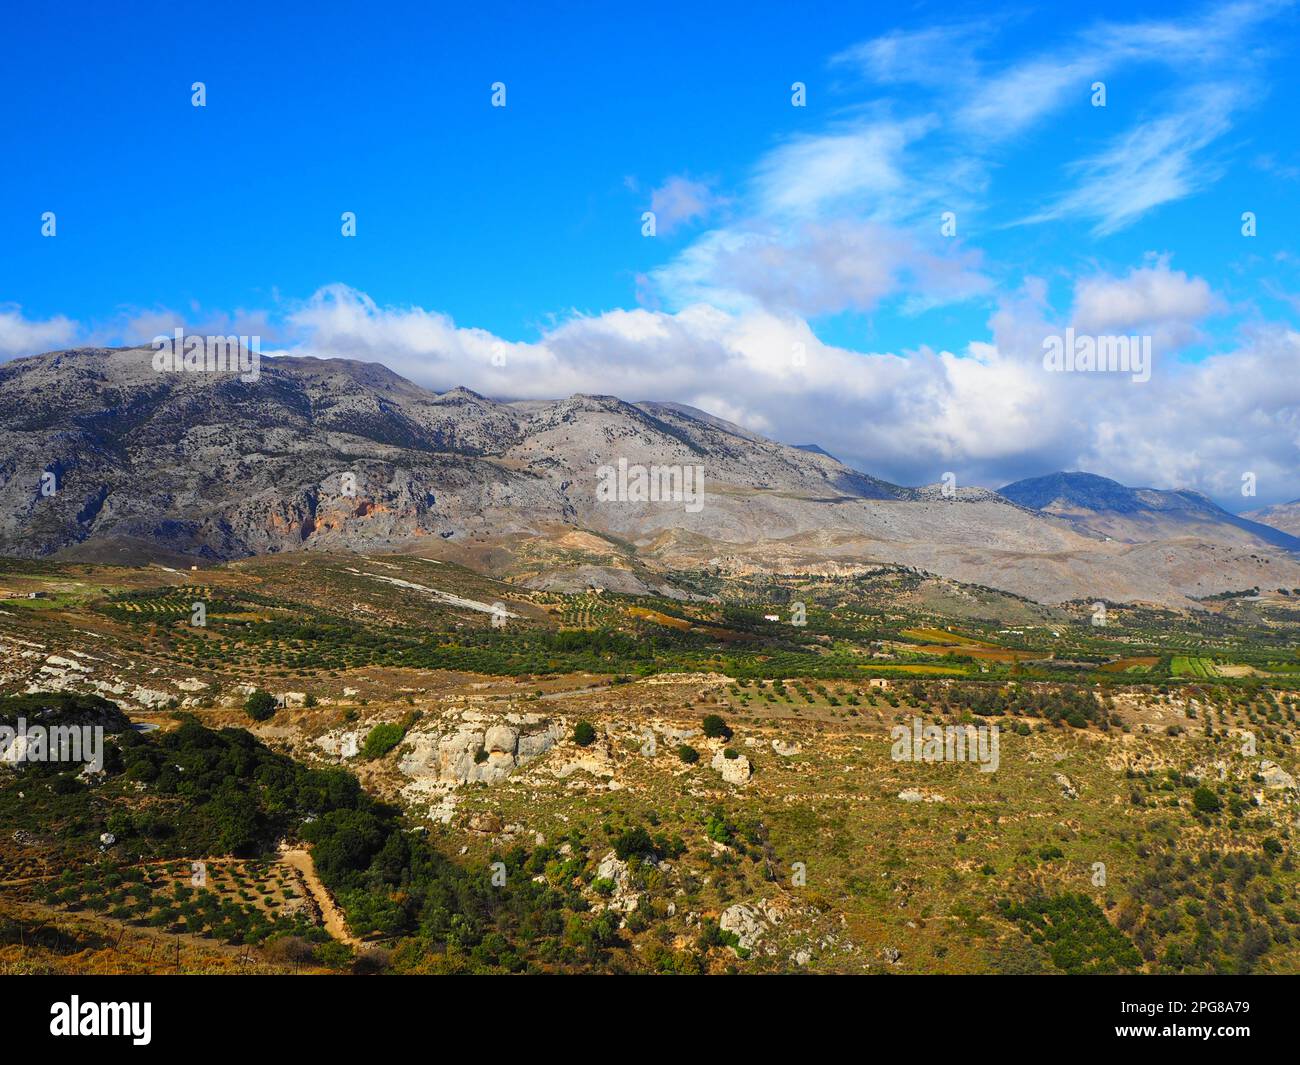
337, 454
1139, 515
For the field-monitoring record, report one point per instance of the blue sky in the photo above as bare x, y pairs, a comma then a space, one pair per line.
516, 232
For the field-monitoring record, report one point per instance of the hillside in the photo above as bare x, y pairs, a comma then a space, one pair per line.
1284, 516
668, 787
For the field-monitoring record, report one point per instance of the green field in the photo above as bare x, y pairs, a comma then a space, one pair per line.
1194, 667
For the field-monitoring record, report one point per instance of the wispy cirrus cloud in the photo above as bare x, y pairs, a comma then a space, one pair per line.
846, 218
827, 223
1155, 162
1209, 60
936, 56
857, 167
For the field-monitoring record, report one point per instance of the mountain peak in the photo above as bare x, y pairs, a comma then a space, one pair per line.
1074, 487
1115, 510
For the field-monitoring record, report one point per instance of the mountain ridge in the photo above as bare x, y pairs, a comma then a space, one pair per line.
1129, 513
1284, 516
346, 454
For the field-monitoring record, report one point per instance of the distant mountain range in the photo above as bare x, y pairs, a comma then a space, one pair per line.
336, 454
1284, 516
1139, 514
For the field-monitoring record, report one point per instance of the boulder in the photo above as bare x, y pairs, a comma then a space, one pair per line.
486, 823
622, 899
1275, 776
501, 739
734, 770
745, 922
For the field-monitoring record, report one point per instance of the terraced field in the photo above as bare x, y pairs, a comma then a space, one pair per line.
1184, 666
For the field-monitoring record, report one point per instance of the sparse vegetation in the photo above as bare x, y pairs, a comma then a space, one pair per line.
1195, 887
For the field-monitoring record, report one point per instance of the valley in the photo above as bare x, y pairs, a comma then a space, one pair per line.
487, 776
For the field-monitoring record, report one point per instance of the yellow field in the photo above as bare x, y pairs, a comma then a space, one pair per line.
943, 636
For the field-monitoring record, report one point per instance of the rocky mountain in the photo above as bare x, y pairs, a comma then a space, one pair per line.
1140, 515
101, 454
1284, 516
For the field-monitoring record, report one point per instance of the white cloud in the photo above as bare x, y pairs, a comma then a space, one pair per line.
815, 268
989, 412
824, 228
1154, 163
844, 218
859, 166
680, 201
1009, 103
1237, 412
1147, 296
935, 56
970, 107
26, 336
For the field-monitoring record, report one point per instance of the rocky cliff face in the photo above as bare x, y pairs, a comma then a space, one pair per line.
333, 453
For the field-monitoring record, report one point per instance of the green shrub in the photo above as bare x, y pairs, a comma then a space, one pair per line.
260, 705
635, 842
584, 734
381, 739
1206, 801
688, 754
715, 728
1075, 933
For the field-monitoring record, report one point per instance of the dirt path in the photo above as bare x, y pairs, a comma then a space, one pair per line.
299, 858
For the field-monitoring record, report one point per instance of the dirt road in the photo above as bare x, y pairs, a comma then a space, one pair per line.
335, 924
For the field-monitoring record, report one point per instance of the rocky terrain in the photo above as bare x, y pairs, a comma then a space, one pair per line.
103, 458
619, 783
